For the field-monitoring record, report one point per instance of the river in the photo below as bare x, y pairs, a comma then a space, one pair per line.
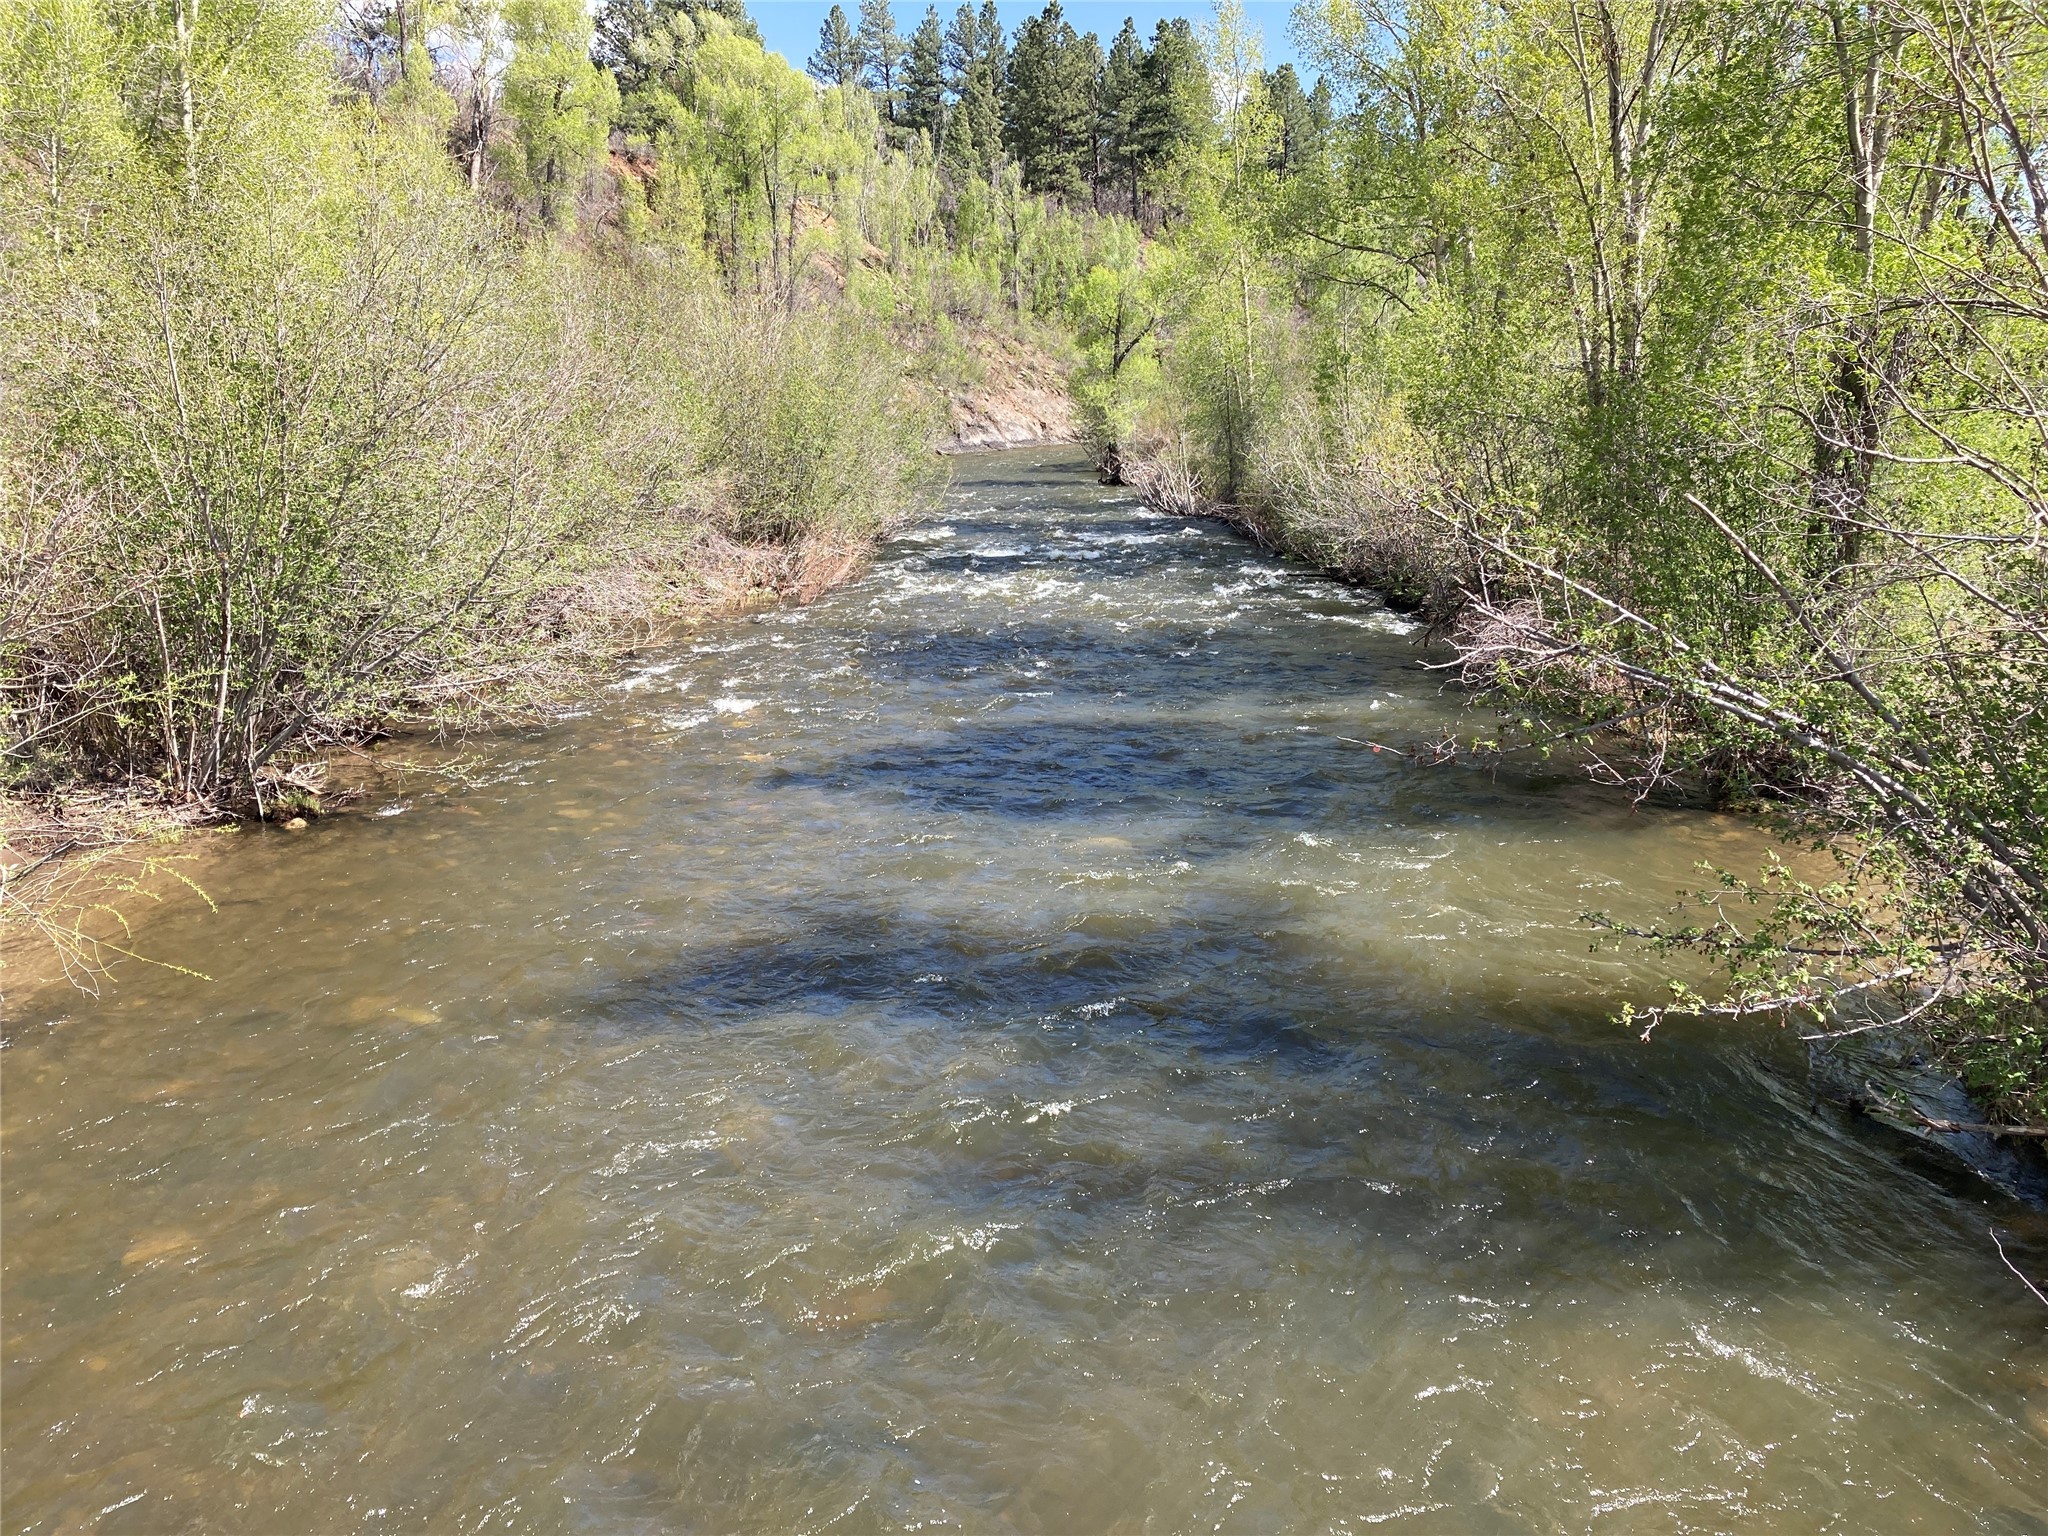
993, 1050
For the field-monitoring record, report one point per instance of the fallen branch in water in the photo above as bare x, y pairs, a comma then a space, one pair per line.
1979, 1129
2015, 1268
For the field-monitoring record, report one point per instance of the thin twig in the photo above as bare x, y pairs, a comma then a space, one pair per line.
2014, 1267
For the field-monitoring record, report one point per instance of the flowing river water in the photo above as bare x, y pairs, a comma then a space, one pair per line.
989, 1051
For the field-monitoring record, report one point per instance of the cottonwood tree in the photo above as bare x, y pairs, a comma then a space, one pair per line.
1708, 340
560, 103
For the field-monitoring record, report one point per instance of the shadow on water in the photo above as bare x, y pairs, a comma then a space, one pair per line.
1037, 768
1225, 1021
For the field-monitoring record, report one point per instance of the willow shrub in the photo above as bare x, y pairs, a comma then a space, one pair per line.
299, 435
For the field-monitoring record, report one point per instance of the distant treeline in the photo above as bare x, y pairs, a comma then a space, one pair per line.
1079, 122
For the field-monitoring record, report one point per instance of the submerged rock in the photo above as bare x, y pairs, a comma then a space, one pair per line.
1883, 1074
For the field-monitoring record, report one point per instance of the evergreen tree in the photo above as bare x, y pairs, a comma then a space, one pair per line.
1299, 134
1050, 120
924, 76
1175, 108
993, 50
837, 60
1117, 103
975, 48
652, 66
631, 35
1084, 75
1322, 112
881, 54
959, 155
962, 50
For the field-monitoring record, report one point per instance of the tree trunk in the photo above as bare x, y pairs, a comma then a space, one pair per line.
188, 23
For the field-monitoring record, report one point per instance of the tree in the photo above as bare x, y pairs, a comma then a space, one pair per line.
924, 77
1687, 357
881, 53
1113, 313
381, 43
959, 156
634, 38
471, 66
837, 60
962, 49
301, 434
657, 75
994, 50
1050, 118
1300, 133
763, 127
1175, 111
1118, 103
561, 104
981, 103
261, 402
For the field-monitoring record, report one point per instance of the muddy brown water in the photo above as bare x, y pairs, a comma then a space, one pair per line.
989, 1051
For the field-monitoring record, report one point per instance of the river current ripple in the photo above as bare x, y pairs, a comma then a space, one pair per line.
995, 1050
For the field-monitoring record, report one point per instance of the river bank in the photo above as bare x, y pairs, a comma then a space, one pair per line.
1017, 397
79, 855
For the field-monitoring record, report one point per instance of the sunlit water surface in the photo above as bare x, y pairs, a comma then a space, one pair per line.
990, 1051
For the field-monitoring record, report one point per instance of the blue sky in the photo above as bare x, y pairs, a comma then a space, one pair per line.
791, 26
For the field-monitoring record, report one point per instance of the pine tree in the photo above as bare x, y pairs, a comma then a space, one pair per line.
959, 155
962, 50
1299, 135
1050, 120
993, 50
625, 28
881, 53
924, 76
1322, 111
975, 45
838, 59
1117, 104
1082, 67
648, 47
1175, 107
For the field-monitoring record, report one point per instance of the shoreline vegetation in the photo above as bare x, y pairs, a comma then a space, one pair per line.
1685, 367
390, 363
1904, 1073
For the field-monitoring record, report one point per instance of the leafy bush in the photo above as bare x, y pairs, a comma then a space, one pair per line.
300, 434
